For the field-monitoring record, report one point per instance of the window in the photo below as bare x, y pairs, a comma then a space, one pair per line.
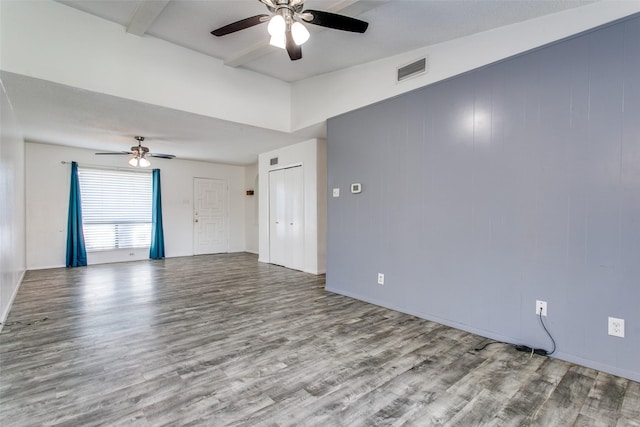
116, 208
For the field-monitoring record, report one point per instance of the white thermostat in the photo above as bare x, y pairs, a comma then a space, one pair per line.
356, 188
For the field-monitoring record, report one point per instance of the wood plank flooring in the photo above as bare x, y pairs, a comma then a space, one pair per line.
224, 340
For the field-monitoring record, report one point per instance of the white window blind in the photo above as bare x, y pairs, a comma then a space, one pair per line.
116, 208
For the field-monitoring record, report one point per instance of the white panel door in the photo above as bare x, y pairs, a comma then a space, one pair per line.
286, 217
277, 218
210, 224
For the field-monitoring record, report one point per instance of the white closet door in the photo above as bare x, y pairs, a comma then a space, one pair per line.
286, 217
277, 217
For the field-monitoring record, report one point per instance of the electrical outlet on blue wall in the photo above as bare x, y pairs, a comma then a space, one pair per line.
541, 306
616, 327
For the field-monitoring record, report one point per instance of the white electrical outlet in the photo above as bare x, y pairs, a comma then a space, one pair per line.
541, 306
616, 327
336, 192
380, 279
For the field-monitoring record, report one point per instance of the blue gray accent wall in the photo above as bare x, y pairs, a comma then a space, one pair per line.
516, 182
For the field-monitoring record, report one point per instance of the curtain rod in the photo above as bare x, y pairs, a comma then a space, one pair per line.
111, 168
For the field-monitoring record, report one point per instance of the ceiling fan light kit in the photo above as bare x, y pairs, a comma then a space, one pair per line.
300, 33
286, 26
140, 153
277, 26
139, 162
278, 42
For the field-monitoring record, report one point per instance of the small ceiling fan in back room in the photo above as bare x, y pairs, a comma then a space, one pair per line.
286, 24
139, 154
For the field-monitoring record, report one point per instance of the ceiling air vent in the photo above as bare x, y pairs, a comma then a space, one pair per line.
413, 69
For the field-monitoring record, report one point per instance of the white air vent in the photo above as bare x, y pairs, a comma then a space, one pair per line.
411, 70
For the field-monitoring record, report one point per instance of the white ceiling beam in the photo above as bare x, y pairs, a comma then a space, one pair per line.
145, 15
349, 7
356, 7
249, 54
342, 5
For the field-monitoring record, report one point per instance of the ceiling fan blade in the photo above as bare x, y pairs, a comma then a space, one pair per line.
240, 25
119, 153
335, 21
294, 51
161, 156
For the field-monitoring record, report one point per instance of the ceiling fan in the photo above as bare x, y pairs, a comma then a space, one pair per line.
140, 154
286, 24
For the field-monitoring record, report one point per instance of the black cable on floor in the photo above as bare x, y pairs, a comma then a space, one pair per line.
490, 343
525, 348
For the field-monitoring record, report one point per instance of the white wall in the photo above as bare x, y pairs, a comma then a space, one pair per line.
321, 191
47, 189
251, 208
12, 205
54, 42
311, 155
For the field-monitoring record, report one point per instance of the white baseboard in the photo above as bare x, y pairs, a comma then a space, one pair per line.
44, 267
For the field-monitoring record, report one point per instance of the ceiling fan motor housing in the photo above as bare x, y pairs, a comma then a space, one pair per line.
140, 149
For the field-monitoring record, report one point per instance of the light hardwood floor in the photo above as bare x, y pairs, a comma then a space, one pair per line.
224, 340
